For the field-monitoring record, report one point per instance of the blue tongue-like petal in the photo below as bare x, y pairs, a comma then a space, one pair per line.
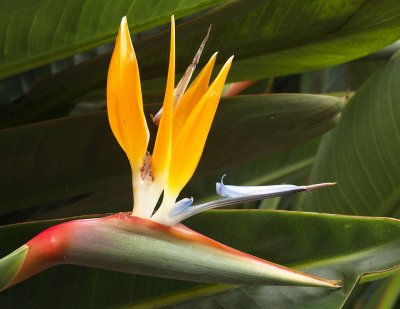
232, 195
181, 206
239, 191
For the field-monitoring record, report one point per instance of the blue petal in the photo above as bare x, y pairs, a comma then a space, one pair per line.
238, 191
232, 195
181, 206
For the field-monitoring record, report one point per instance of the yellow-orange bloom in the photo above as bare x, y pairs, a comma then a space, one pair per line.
182, 131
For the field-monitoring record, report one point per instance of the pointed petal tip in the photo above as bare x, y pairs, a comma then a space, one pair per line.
227, 64
124, 24
161, 158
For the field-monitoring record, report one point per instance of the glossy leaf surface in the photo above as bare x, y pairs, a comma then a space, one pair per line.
291, 241
70, 156
268, 38
290, 166
362, 153
41, 32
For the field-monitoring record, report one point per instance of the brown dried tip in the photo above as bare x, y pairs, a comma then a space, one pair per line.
319, 185
184, 82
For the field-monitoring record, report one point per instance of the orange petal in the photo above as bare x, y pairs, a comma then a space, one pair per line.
124, 99
192, 138
191, 97
162, 148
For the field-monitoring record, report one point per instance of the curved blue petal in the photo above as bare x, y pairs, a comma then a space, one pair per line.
232, 195
237, 191
181, 206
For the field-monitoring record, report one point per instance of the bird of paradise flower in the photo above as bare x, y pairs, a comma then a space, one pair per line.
149, 241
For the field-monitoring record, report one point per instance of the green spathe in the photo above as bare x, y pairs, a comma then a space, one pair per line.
131, 244
287, 238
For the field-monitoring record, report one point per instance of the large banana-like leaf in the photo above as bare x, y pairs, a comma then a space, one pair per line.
268, 38
284, 237
38, 32
62, 158
281, 29
284, 167
362, 152
379, 294
340, 79
272, 38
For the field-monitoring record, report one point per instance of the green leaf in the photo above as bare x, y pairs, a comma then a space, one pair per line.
361, 153
283, 167
11, 264
45, 31
360, 71
272, 39
339, 79
365, 245
268, 38
384, 53
381, 294
65, 157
